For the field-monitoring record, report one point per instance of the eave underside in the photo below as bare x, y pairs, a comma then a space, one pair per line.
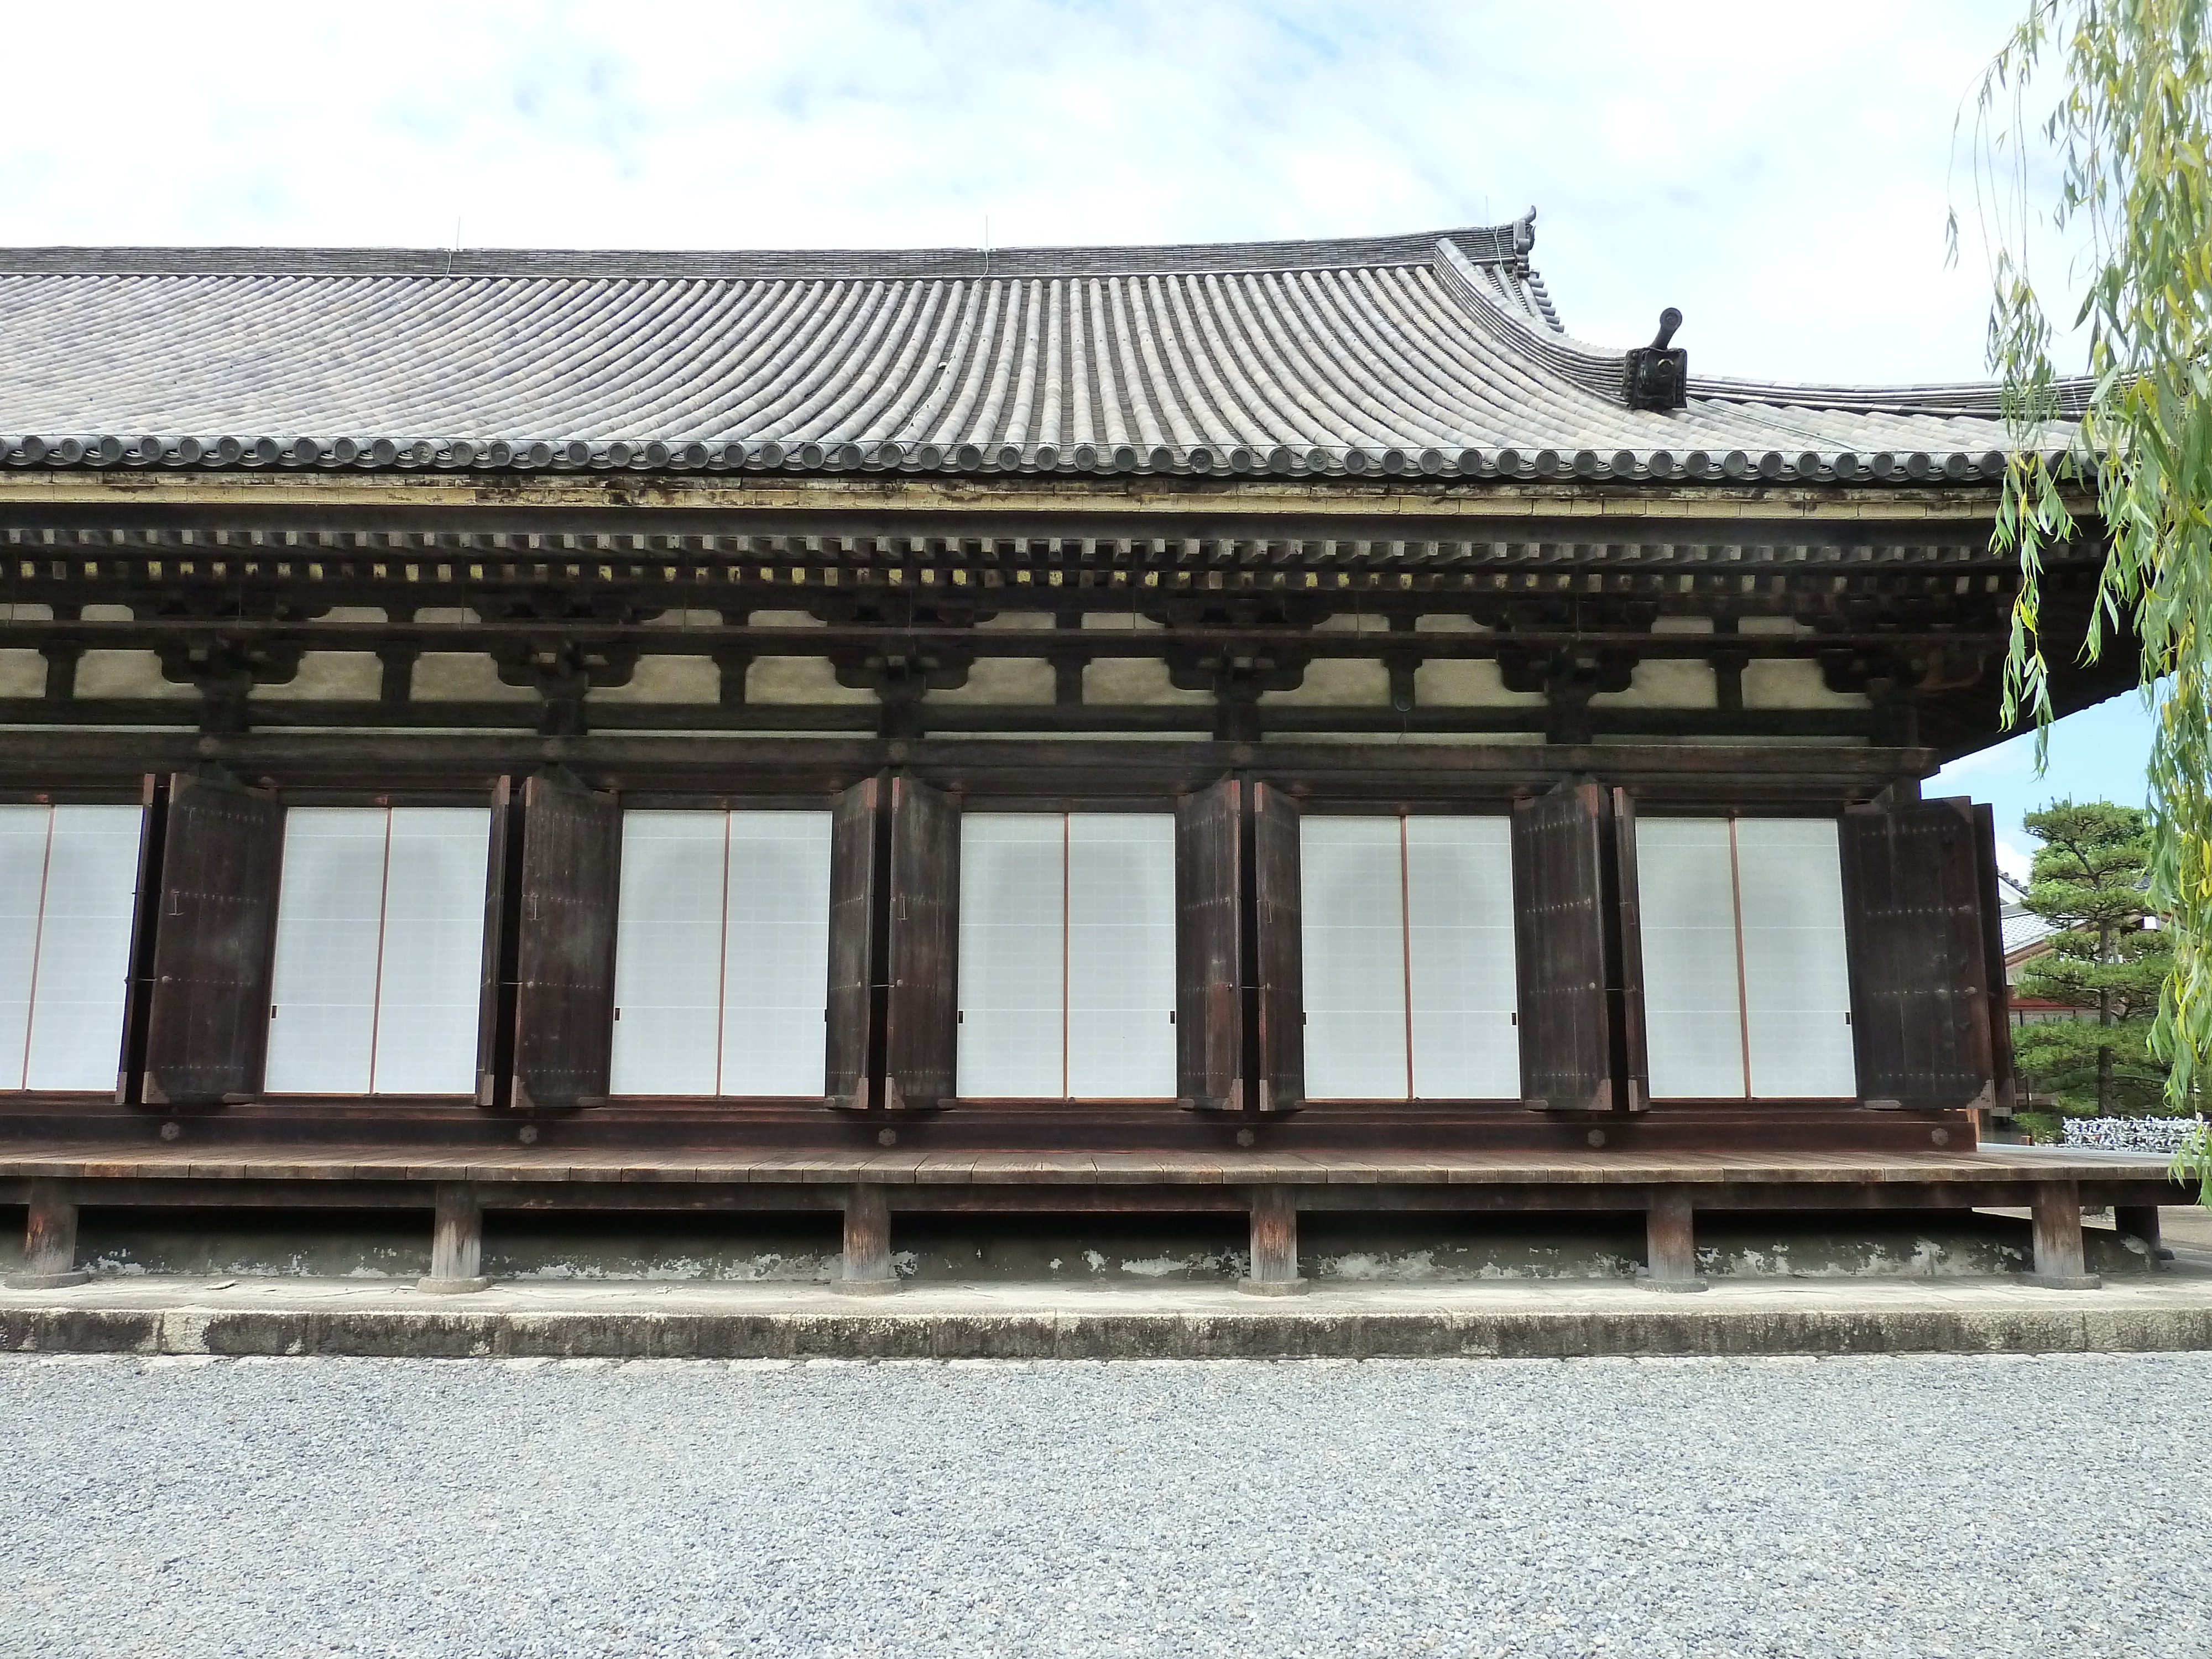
1893, 601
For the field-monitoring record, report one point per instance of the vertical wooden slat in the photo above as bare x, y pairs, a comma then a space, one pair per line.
1921, 1006
867, 1268
1279, 1010
138, 986
1560, 933
456, 1241
1274, 1244
1633, 1057
1993, 958
922, 1011
1209, 948
2054, 1216
495, 993
856, 964
207, 1022
571, 883
1670, 1232
49, 1240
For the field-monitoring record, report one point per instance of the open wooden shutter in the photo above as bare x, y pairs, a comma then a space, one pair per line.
137, 1004
921, 1015
1560, 933
1917, 894
571, 880
207, 1025
1993, 958
1277, 958
495, 1003
1209, 949
1632, 1051
856, 944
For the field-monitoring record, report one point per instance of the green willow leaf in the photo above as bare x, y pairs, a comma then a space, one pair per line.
2130, 129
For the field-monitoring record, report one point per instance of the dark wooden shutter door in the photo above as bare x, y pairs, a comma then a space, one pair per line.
1277, 954
138, 982
854, 945
1209, 949
922, 1014
1993, 957
495, 993
565, 960
1914, 883
223, 856
1559, 929
1633, 1050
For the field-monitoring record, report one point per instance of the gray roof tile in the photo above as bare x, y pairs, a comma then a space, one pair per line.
1436, 354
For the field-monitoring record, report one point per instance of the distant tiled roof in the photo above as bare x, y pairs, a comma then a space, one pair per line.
2022, 928
1439, 354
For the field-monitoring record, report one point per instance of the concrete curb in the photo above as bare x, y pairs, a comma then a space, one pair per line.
1268, 1333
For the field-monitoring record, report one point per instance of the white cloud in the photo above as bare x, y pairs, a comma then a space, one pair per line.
1781, 178
2014, 862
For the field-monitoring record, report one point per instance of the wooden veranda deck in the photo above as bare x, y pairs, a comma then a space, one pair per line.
54, 1179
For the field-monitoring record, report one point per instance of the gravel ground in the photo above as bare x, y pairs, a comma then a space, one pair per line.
1861, 1507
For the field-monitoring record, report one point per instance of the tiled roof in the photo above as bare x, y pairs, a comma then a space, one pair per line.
1436, 354
2022, 928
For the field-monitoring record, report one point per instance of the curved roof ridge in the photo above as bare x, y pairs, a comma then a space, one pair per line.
1526, 309
1981, 399
1533, 324
1502, 244
1437, 356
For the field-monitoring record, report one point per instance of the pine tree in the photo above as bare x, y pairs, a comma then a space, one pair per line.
2109, 958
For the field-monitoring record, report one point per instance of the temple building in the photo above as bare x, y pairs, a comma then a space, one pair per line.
1250, 726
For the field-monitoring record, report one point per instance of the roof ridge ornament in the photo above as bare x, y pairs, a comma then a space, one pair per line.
1657, 376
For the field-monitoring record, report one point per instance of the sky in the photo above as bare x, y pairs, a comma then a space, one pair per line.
1781, 173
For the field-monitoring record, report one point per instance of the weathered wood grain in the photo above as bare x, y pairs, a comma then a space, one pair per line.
571, 881
208, 1017
1559, 932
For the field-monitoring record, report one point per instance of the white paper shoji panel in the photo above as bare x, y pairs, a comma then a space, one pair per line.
1354, 911
24, 832
68, 879
1796, 966
1120, 955
775, 972
84, 948
668, 952
430, 990
1012, 941
1459, 886
1692, 1008
329, 909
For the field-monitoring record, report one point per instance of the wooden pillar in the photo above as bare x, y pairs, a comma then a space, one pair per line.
2141, 1221
49, 1240
1670, 1232
456, 1243
1274, 1244
2058, 1260
868, 1269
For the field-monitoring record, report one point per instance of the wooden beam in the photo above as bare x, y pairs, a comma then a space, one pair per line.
2059, 1263
1671, 1242
304, 516
1274, 1244
456, 1241
867, 1270
1729, 774
49, 1240
694, 641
